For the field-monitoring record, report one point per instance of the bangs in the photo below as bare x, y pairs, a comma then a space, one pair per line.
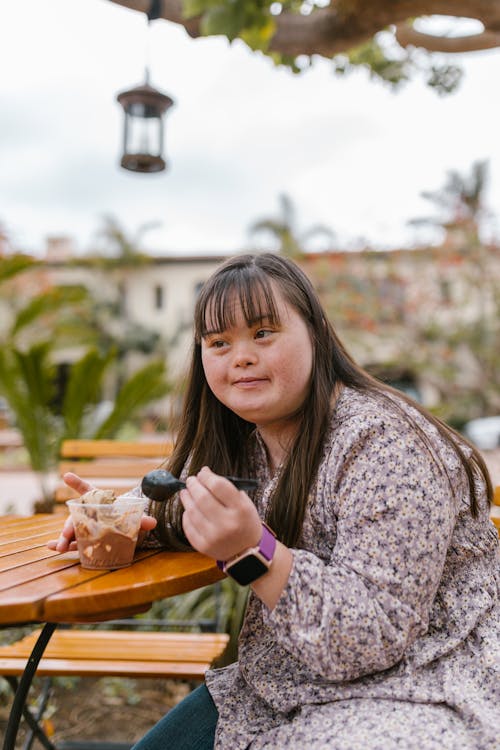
240, 289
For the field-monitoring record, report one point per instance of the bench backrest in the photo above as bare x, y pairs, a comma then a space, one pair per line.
495, 517
109, 464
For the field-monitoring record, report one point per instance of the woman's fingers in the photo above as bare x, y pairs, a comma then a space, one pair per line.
66, 540
148, 523
77, 483
218, 519
202, 500
220, 487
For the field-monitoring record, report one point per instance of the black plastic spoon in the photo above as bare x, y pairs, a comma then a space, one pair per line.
160, 484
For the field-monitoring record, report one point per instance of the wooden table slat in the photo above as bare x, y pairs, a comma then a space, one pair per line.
14, 531
11, 525
172, 573
38, 585
20, 546
20, 559
32, 571
25, 602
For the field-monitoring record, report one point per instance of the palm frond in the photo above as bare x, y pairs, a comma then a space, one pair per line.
12, 265
83, 389
148, 384
27, 382
51, 301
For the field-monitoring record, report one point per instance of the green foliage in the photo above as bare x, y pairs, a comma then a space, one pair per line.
438, 308
83, 390
5, 692
13, 265
461, 200
395, 66
120, 690
259, 34
228, 18
40, 328
378, 60
27, 382
253, 22
146, 385
249, 20
444, 79
239, 18
52, 301
283, 230
118, 248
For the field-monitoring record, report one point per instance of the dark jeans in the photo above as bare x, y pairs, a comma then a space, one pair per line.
188, 726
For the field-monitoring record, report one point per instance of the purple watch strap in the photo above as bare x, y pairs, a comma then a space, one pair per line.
267, 545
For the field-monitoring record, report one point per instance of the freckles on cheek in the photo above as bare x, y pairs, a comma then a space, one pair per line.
296, 372
213, 374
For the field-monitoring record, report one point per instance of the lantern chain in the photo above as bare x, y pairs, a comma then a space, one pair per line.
154, 11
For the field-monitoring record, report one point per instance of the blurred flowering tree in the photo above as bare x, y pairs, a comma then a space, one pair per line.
433, 312
459, 343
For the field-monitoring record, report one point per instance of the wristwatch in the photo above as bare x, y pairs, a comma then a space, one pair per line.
249, 565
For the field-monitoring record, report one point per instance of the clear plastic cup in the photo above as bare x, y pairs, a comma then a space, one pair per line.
106, 534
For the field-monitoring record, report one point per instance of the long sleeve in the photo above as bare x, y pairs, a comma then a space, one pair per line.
356, 611
393, 594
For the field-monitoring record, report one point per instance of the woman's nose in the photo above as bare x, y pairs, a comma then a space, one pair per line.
244, 355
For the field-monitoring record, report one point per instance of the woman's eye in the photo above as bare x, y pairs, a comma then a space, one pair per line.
262, 333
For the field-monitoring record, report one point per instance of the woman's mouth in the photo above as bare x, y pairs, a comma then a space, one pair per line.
248, 382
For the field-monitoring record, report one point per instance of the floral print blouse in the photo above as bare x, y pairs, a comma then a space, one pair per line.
393, 594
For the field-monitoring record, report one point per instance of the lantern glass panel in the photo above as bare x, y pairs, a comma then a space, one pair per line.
144, 135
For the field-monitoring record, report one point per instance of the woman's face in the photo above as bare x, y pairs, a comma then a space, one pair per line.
261, 371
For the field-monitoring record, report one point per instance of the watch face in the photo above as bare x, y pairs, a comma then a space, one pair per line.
247, 570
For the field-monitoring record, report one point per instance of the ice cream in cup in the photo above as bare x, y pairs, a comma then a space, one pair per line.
106, 528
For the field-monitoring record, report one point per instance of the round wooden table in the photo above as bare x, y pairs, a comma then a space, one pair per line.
38, 585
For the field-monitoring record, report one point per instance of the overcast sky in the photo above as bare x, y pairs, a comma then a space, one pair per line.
351, 154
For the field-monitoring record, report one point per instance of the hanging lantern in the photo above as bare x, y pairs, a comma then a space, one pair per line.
144, 108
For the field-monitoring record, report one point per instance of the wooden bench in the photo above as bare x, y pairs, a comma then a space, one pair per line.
117, 465
495, 516
109, 464
113, 653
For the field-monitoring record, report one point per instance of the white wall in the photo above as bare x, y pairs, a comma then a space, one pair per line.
179, 280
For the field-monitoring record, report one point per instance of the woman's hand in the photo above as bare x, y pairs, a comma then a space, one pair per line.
219, 520
66, 540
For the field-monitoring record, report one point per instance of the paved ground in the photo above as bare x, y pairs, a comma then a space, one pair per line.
18, 491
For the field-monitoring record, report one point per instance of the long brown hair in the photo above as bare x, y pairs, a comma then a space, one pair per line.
211, 434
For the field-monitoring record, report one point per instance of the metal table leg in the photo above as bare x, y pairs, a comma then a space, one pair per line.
32, 719
19, 703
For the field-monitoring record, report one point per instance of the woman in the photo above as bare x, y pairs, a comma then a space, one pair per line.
373, 619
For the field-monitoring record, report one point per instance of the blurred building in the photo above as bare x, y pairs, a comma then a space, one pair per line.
427, 320
157, 295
